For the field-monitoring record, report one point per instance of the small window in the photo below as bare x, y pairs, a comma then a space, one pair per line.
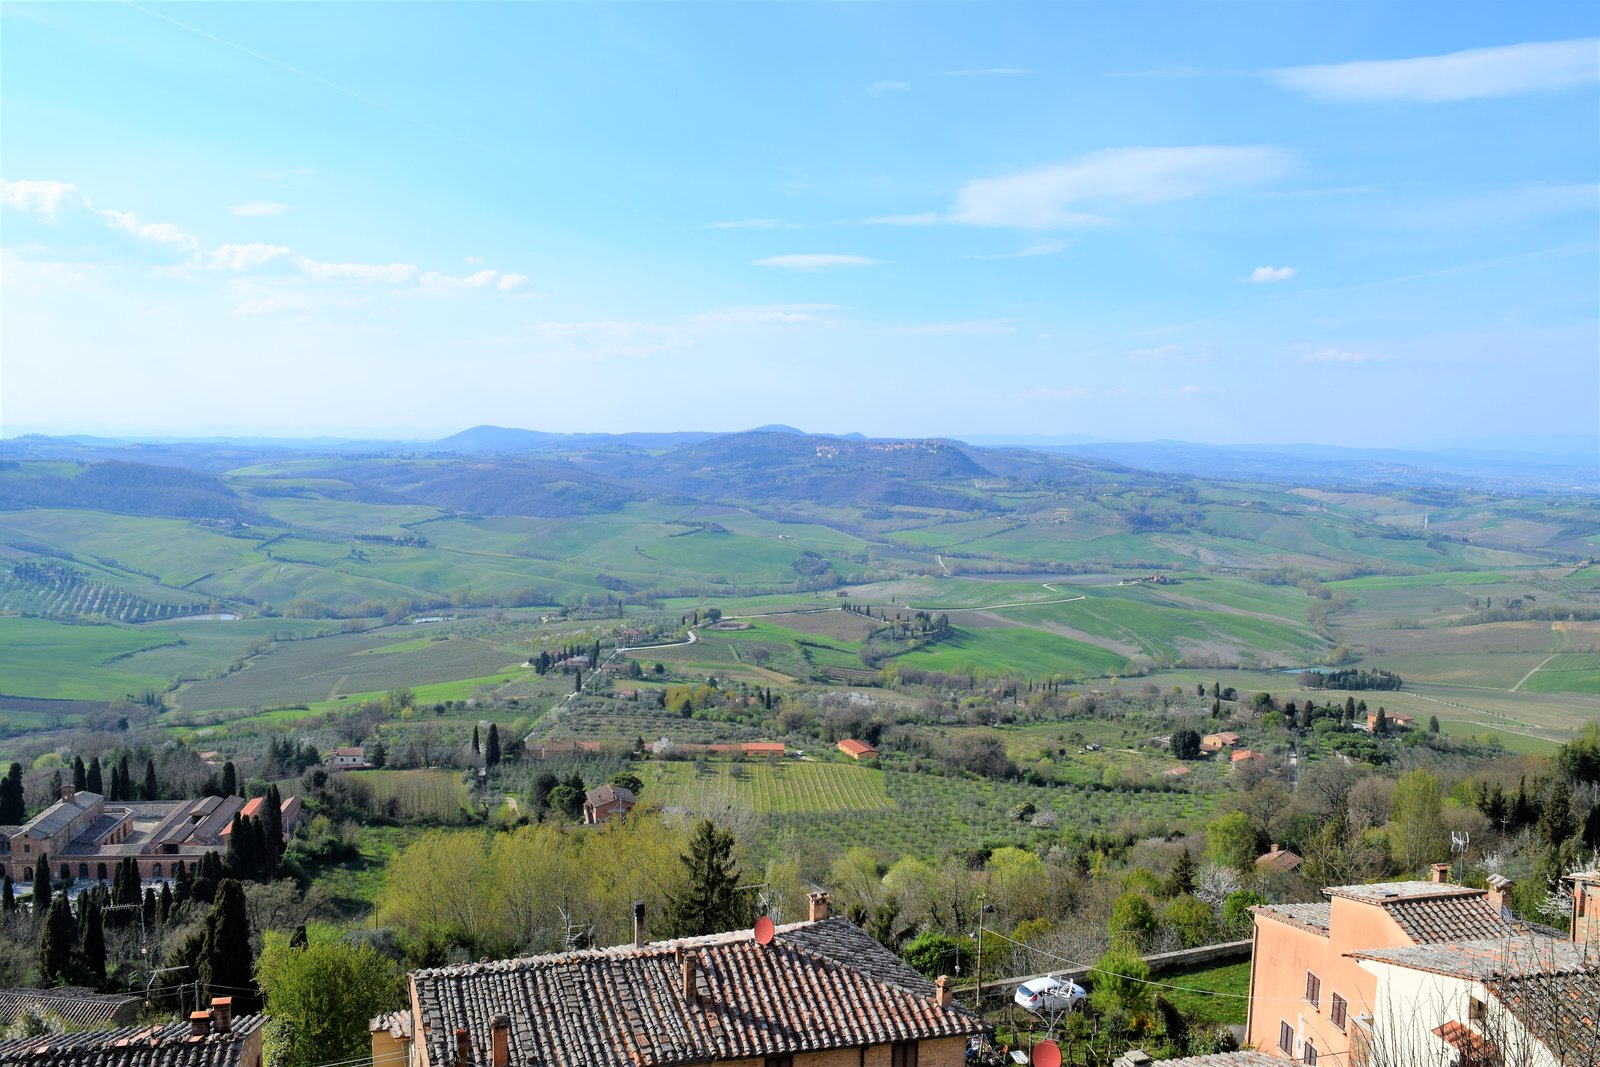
1477, 1011
1313, 990
1286, 1039
1338, 1009
903, 1054
1309, 1057
786, 1060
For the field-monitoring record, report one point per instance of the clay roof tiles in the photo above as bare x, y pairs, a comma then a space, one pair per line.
818, 986
133, 1046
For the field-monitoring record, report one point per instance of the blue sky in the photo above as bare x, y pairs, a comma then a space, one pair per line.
1358, 224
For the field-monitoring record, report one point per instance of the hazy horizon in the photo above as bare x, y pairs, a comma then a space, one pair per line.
1364, 226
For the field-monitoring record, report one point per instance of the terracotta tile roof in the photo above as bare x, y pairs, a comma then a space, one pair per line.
1491, 959
134, 1046
1473, 1046
1458, 918
851, 747
1389, 892
608, 793
396, 1023
1315, 918
818, 986
1561, 1010
1279, 859
73, 1006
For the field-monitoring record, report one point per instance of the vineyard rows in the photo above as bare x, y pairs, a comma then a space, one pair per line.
76, 600
782, 789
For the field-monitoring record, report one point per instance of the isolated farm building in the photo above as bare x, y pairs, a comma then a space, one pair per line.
1279, 859
212, 1038
1218, 741
1176, 772
1310, 998
857, 749
1394, 720
1241, 755
821, 992
353, 757
602, 802
85, 837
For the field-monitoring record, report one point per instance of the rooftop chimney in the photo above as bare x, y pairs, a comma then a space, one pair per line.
500, 1034
821, 906
638, 924
1441, 874
463, 1047
1500, 888
68, 793
942, 993
199, 1023
689, 963
222, 1014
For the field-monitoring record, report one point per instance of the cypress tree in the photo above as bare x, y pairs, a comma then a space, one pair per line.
182, 887
57, 940
230, 780
234, 860
94, 940
475, 749
274, 817
164, 906
80, 775
152, 789
93, 781
41, 887
12, 807
266, 862
151, 909
491, 751
8, 897
226, 967
116, 785
122, 776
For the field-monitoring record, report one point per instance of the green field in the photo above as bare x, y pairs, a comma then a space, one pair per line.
1013, 650
64, 662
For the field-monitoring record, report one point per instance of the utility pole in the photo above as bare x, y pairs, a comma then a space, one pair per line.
978, 997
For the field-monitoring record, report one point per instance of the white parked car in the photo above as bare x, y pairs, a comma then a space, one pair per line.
1044, 995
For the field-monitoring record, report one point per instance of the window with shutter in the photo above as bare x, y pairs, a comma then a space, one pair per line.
1338, 1010
1313, 990
1286, 1038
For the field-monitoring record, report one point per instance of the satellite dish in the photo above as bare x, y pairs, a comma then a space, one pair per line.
1047, 1054
764, 931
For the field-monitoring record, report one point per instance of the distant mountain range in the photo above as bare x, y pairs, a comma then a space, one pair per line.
1530, 462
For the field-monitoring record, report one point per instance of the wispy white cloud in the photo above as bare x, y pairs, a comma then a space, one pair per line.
745, 224
259, 209
1475, 74
1339, 355
988, 72
1196, 390
1049, 197
889, 87
814, 261
161, 233
1039, 248
41, 199
768, 314
1271, 274
964, 328
1071, 392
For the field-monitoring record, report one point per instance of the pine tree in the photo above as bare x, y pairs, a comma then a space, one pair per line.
80, 775
1181, 880
57, 940
94, 941
152, 789
710, 903
93, 781
491, 751
230, 780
